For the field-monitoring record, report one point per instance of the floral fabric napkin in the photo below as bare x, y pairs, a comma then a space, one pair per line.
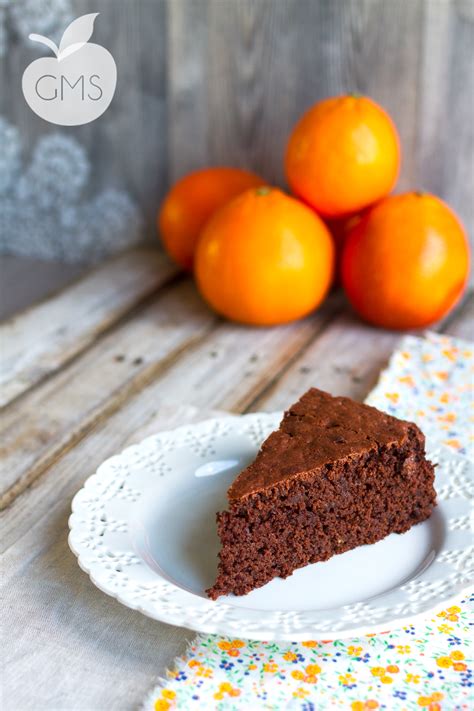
429, 380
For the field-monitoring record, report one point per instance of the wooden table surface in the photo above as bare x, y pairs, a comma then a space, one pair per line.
126, 351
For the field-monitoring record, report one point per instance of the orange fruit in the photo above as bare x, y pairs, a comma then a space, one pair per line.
343, 155
406, 263
191, 202
264, 258
339, 227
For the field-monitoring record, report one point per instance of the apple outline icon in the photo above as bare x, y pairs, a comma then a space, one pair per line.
75, 86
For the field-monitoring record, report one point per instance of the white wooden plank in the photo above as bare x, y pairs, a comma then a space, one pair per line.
55, 415
25, 281
461, 324
45, 337
445, 91
188, 119
35, 525
345, 360
59, 629
225, 370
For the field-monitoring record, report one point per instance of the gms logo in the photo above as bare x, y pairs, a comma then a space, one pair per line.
78, 84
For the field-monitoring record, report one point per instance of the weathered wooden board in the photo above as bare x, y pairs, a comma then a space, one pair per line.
18, 290
445, 105
95, 638
222, 370
249, 69
42, 339
35, 524
39, 536
55, 415
124, 151
348, 357
202, 82
345, 360
232, 368
461, 322
253, 67
70, 646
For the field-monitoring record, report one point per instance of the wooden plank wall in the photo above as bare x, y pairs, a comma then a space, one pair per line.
222, 81
242, 71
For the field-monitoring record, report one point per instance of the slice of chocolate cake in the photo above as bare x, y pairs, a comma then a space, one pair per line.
335, 475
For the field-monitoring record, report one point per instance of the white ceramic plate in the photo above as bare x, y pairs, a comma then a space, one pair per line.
144, 529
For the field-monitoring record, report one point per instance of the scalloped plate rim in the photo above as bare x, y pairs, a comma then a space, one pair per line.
218, 627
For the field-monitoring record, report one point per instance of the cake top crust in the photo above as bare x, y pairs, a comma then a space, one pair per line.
318, 430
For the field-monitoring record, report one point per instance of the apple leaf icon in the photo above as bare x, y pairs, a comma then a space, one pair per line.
75, 36
77, 84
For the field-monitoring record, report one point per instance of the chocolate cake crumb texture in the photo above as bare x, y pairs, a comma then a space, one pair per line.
337, 474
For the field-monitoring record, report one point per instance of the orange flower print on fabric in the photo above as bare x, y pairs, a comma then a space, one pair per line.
347, 680
451, 613
205, 672
450, 353
364, 705
446, 629
431, 702
378, 671
403, 648
163, 704
436, 372
417, 666
449, 417
383, 676
300, 693
454, 661
226, 689
354, 651
309, 675
444, 662
271, 667
422, 665
168, 694
232, 648
455, 443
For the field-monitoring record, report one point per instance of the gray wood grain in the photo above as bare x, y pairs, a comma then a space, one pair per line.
249, 69
445, 133
188, 121
206, 82
39, 341
126, 147
18, 290
69, 647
